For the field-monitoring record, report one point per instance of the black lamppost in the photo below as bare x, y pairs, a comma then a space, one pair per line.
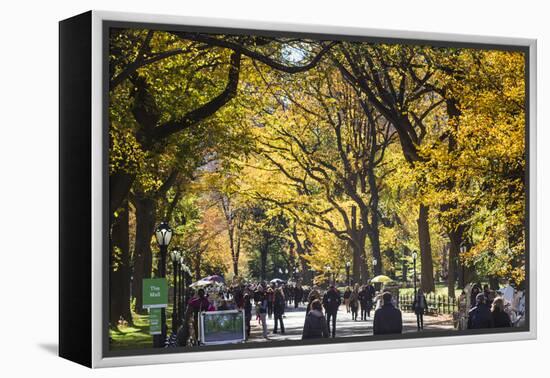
404, 271
414, 255
175, 262
348, 266
163, 234
374, 264
181, 298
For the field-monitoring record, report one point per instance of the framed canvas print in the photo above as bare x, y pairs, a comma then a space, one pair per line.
231, 189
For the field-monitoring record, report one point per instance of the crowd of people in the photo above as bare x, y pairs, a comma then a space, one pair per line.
264, 302
486, 308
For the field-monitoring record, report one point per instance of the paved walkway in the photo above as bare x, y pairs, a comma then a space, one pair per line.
345, 326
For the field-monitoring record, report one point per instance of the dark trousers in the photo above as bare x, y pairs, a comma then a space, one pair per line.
269, 309
354, 312
420, 321
331, 315
296, 302
279, 318
363, 313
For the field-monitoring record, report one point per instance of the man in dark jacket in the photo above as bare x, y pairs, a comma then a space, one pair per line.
365, 297
387, 319
331, 302
315, 325
278, 309
298, 293
247, 305
480, 316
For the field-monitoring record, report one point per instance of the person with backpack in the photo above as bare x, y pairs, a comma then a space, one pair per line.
315, 325
331, 303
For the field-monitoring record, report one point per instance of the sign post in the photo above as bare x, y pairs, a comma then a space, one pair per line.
155, 298
155, 321
155, 293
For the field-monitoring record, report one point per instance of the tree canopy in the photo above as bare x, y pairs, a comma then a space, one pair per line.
285, 156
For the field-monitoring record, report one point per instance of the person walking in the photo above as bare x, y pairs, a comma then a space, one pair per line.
315, 325
331, 302
247, 306
270, 298
279, 309
287, 292
199, 303
354, 302
420, 305
366, 299
298, 292
387, 319
238, 296
480, 316
500, 318
262, 309
347, 294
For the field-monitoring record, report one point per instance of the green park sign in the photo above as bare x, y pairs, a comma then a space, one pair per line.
155, 293
155, 321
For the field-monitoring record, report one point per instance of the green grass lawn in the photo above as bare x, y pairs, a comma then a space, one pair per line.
135, 336
440, 289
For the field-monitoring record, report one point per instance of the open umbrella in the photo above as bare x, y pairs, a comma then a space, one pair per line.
381, 279
277, 281
201, 283
214, 278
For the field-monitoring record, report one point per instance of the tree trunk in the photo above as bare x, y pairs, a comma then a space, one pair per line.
427, 274
198, 266
263, 256
119, 285
374, 231
235, 268
357, 257
363, 265
143, 260
454, 251
374, 238
119, 186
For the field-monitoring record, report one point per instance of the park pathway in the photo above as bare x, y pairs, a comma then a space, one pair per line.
345, 326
